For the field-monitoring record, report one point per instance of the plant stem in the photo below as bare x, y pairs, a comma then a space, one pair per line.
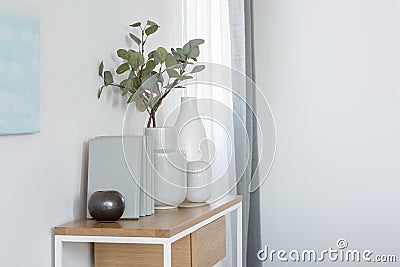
152, 117
143, 42
154, 120
142, 51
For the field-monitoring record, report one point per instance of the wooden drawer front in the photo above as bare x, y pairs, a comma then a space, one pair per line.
143, 255
203, 248
209, 244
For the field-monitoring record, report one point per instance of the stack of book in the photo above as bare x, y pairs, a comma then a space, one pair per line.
123, 163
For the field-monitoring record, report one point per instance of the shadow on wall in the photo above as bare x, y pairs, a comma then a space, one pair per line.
80, 203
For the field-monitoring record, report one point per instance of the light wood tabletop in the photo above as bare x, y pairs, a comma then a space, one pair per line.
164, 223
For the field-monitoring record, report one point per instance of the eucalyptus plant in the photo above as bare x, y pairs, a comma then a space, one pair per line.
147, 80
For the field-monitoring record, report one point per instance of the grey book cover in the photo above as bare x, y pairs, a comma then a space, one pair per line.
149, 175
115, 163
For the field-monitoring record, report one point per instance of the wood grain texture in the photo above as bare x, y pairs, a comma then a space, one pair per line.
127, 255
208, 244
164, 223
141, 255
181, 252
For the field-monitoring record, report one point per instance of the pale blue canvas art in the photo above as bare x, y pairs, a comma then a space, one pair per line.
19, 71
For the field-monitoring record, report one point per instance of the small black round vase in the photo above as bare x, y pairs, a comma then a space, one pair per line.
106, 206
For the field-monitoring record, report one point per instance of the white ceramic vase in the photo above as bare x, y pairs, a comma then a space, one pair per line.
191, 132
170, 182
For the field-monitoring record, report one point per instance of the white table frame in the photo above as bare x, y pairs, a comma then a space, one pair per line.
166, 242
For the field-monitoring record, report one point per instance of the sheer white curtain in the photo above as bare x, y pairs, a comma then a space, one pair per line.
209, 20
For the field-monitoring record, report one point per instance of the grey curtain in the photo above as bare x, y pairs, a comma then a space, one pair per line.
242, 37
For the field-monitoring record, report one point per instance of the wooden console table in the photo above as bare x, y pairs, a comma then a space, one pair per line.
184, 237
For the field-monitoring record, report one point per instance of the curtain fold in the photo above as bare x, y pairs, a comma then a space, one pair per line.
242, 58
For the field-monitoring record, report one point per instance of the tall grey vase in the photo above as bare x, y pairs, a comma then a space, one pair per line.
170, 183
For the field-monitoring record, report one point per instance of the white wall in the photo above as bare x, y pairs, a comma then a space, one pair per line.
42, 175
331, 72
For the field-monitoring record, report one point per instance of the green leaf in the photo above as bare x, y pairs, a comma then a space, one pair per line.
122, 53
151, 54
136, 83
181, 51
136, 24
149, 82
194, 52
177, 66
157, 57
135, 38
125, 91
140, 105
123, 83
129, 86
101, 68
124, 67
151, 23
162, 52
132, 60
182, 78
100, 91
152, 29
138, 94
176, 54
146, 73
135, 59
196, 42
198, 68
138, 98
173, 73
108, 78
187, 48
170, 60
150, 65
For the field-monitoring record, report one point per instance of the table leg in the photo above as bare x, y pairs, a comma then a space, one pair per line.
167, 255
239, 233
58, 252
